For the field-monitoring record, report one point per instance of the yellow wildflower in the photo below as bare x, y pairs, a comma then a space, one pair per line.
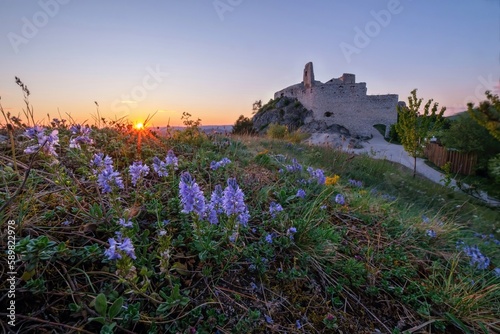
332, 180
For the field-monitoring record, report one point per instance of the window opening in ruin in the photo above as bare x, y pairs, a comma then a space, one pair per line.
328, 114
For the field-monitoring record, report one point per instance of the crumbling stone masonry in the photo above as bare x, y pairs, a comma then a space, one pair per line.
344, 102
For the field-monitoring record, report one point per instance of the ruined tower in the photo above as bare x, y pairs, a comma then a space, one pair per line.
308, 75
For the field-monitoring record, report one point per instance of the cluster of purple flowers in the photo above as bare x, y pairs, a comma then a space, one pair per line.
274, 208
294, 167
115, 246
215, 206
107, 175
171, 159
269, 238
339, 199
233, 202
301, 193
192, 199
317, 174
487, 238
291, 231
82, 134
45, 143
160, 167
477, 259
136, 170
356, 183
229, 201
214, 165
125, 223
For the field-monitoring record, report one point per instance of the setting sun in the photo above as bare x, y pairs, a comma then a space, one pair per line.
139, 126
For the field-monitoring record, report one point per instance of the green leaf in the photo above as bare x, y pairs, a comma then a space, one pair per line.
116, 308
101, 304
74, 307
100, 320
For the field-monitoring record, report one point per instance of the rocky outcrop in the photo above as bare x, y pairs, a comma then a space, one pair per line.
283, 111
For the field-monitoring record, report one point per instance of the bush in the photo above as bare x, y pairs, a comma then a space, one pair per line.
297, 136
494, 168
277, 131
393, 135
243, 126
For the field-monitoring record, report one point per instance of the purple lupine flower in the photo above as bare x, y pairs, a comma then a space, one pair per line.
136, 170
99, 161
339, 199
82, 133
171, 159
34, 132
496, 272
291, 231
298, 324
317, 174
111, 251
356, 183
232, 237
218, 164
215, 206
244, 217
107, 177
269, 238
211, 214
274, 208
233, 201
125, 223
45, 143
301, 193
477, 259
431, 233
269, 320
294, 167
160, 167
192, 198
214, 165
128, 248
425, 219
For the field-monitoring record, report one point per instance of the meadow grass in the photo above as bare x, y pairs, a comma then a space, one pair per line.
128, 231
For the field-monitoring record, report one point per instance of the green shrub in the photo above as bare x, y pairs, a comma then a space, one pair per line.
243, 125
297, 136
277, 131
494, 168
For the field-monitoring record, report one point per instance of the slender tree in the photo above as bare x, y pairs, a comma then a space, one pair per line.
487, 114
413, 127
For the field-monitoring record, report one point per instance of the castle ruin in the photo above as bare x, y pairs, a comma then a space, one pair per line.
343, 102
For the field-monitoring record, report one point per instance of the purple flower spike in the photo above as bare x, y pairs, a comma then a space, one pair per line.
192, 199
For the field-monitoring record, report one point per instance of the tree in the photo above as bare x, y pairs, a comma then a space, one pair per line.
257, 105
487, 114
413, 127
243, 126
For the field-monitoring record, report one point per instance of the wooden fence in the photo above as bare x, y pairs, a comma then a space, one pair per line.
461, 163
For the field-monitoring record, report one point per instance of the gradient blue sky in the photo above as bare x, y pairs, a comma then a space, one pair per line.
217, 57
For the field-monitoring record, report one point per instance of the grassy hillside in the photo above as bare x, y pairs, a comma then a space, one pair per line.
127, 231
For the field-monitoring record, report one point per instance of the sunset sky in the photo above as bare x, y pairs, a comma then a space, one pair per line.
214, 58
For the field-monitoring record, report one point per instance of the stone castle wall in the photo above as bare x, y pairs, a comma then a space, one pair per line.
344, 102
